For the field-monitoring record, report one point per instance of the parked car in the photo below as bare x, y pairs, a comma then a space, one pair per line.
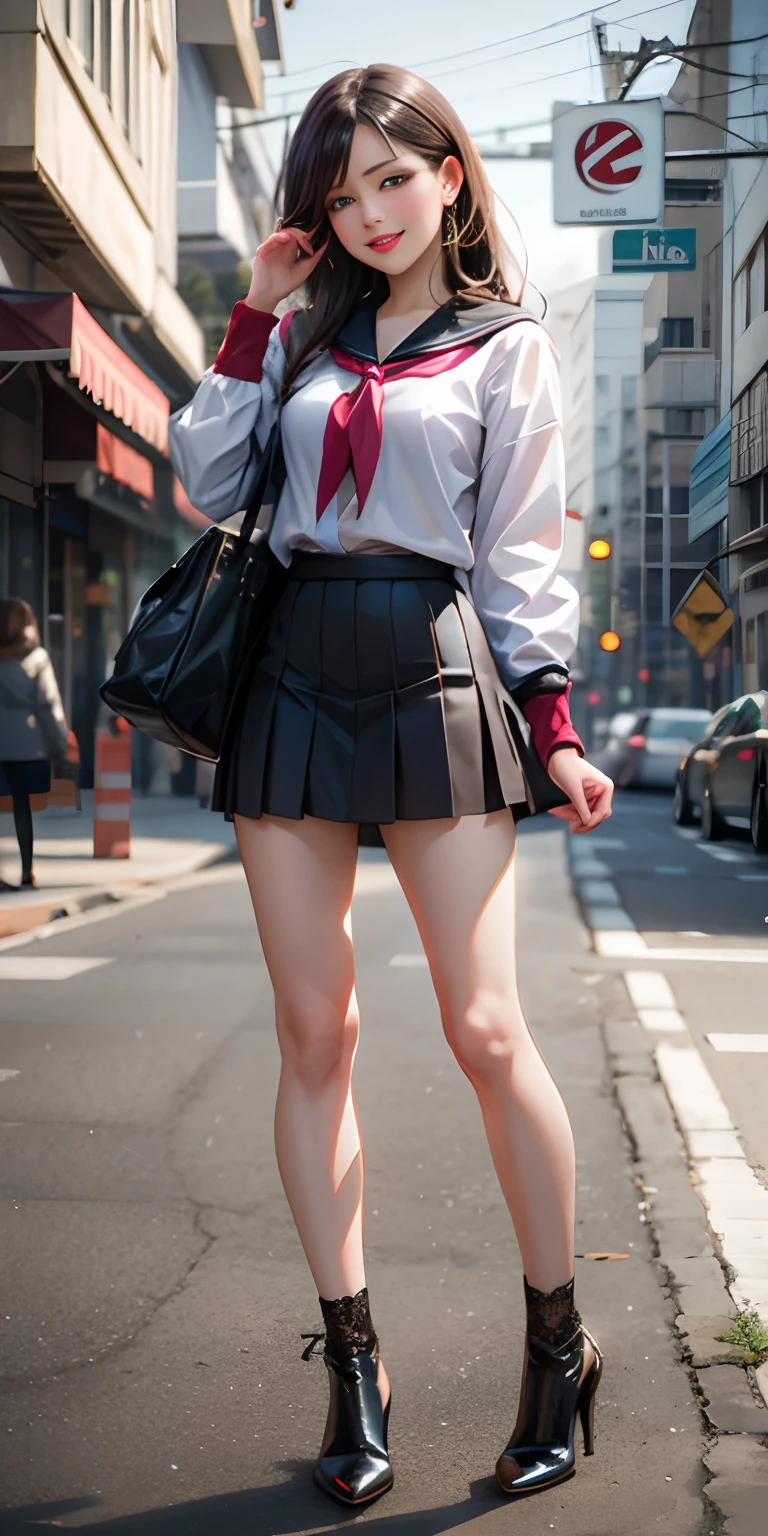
725, 778
644, 746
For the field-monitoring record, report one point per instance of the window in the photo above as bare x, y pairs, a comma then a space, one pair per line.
686, 190
653, 596
756, 302
89, 29
685, 727
740, 303
675, 331
748, 718
654, 540
602, 383
681, 423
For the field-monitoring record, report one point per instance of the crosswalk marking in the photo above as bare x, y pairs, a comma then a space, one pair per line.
748, 1043
46, 967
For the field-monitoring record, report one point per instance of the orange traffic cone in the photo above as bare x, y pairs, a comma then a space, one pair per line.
112, 795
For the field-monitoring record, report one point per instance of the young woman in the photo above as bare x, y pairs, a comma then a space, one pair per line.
33, 730
422, 520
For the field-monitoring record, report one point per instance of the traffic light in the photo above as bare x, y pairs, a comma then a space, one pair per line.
609, 640
599, 549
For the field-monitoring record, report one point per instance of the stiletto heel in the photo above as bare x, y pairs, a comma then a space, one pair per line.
587, 1398
353, 1465
540, 1450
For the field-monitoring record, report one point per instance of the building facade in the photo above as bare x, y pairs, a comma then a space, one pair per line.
97, 344
597, 326
744, 391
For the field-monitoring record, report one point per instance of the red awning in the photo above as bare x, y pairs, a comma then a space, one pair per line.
57, 327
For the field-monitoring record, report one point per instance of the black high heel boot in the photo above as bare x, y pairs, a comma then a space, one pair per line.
353, 1465
540, 1450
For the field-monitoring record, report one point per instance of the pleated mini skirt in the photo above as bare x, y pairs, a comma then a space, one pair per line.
373, 697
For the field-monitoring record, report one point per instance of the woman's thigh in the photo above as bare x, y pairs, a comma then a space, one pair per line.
301, 876
458, 878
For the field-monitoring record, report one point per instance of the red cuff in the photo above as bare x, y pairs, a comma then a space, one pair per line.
241, 353
550, 721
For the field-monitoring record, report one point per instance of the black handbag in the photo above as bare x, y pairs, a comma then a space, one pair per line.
175, 673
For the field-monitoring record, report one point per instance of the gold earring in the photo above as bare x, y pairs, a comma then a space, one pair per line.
453, 231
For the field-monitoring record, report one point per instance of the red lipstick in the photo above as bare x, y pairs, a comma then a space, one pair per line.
384, 242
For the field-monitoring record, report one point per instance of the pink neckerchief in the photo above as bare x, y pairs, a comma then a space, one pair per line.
353, 431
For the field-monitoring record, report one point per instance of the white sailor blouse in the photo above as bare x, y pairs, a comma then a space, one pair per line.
451, 448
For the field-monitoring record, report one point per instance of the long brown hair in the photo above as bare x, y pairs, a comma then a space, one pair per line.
409, 111
18, 629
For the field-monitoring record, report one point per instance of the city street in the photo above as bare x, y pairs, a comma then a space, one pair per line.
155, 1290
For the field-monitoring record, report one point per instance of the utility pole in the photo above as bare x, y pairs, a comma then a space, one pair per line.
620, 70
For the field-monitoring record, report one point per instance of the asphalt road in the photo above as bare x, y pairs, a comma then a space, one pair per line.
705, 897
153, 1287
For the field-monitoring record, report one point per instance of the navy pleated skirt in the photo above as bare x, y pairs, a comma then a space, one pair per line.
372, 698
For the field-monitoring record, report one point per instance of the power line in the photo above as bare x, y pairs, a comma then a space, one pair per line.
536, 31
502, 41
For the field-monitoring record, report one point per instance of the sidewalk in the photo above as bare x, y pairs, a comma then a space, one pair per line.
170, 835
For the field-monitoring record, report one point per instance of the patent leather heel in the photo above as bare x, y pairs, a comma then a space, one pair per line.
353, 1465
587, 1397
540, 1451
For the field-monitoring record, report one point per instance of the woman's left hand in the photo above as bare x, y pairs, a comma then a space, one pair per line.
589, 791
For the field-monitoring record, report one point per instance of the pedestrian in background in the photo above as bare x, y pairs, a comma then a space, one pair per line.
33, 729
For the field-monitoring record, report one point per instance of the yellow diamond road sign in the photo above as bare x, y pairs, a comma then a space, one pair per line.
703, 616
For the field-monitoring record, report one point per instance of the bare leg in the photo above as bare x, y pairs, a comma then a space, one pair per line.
301, 876
458, 877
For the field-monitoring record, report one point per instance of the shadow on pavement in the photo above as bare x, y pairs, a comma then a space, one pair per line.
282, 1510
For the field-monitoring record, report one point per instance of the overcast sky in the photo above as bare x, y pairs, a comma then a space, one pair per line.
494, 77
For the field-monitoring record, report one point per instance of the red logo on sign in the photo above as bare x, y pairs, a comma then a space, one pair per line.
609, 156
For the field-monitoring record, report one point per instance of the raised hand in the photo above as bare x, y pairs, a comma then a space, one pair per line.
589, 791
280, 264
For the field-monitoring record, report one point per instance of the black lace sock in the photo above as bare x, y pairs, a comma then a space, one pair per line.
552, 1315
348, 1326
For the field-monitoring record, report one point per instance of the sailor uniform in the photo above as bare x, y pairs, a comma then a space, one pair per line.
424, 630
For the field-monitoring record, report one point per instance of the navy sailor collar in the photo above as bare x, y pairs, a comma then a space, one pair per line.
457, 323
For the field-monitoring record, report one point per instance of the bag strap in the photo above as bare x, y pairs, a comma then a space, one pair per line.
271, 474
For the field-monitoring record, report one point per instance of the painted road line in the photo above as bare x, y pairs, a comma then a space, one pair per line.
408, 961
606, 842
724, 855
666, 1021
7, 1072
649, 989
590, 869
670, 869
631, 946
752, 877
691, 1089
617, 945
598, 893
45, 967
758, 1044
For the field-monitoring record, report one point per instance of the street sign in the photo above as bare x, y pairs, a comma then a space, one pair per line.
654, 250
608, 162
702, 614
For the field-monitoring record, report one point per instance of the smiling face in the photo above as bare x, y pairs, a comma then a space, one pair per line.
388, 210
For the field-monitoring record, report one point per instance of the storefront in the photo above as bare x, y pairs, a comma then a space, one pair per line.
89, 514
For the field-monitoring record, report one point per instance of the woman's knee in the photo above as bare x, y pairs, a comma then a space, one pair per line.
486, 1033
317, 1035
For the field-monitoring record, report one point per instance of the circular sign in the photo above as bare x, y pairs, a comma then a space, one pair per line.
609, 155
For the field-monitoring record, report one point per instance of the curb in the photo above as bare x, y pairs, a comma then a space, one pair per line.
22, 924
680, 1165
